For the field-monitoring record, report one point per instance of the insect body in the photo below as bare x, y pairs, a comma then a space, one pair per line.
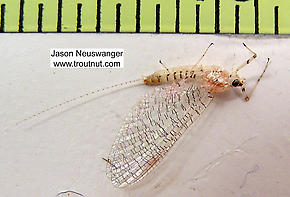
213, 78
160, 118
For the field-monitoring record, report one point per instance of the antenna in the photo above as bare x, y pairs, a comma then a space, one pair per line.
71, 100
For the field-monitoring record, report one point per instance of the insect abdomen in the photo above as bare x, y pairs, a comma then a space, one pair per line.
170, 75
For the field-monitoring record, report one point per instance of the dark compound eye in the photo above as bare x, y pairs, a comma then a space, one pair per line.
236, 83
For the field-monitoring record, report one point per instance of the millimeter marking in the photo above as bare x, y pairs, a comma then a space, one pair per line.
176, 16
40, 14
2, 15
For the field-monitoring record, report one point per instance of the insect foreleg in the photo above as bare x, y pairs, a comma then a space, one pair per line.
247, 96
249, 60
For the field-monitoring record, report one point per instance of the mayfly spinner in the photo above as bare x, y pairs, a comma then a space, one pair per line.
161, 117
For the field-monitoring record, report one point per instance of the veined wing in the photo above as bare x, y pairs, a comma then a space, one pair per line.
151, 129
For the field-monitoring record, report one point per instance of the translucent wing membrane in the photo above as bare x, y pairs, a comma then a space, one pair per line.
151, 129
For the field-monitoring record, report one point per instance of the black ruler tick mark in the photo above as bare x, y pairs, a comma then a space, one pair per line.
157, 28
118, 17
256, 5
138, 5
40, 14
79, 17
237, 19
59, 15
98, 26
197, 8
21, 12
276, 16
217, 16
2, 20
177, 16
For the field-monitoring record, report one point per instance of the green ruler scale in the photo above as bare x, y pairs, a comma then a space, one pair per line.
153, 16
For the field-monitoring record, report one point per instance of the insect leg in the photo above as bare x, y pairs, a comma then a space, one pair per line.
249, 60
247, 97
203, 54
164, 66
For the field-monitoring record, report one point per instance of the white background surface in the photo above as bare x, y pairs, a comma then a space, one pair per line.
235, 149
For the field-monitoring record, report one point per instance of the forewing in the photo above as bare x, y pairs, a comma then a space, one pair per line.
151, 129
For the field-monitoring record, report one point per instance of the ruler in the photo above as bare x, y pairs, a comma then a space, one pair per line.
148, 16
